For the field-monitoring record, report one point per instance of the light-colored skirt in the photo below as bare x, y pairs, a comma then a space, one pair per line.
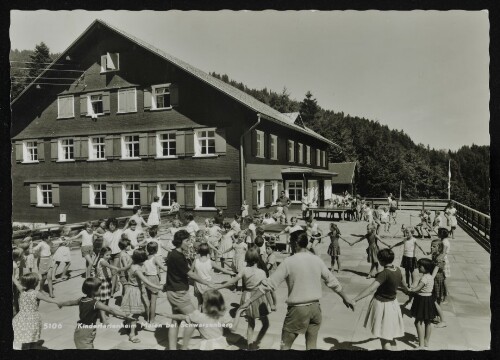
447, 269
153, 219
46, 263
62, 254
134, 301
384, 319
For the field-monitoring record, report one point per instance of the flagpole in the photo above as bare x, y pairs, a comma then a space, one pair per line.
449, 178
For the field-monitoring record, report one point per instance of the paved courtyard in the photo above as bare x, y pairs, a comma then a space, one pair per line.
467, 311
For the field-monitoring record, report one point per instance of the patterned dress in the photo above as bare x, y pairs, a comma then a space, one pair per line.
104, 275
372, 249
135, 300
27, 324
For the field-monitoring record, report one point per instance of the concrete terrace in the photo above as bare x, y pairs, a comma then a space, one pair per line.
467, 311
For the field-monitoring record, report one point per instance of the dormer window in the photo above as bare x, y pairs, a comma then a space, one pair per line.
161, 97
96, 105
110, 62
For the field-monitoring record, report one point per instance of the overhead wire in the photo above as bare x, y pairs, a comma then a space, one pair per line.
48, 69
33, 62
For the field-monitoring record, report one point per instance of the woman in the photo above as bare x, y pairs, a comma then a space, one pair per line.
154, 218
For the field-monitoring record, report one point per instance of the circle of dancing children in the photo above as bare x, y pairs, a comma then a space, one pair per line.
372, 249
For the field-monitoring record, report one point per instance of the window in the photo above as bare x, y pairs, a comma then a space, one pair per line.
110, 62
260, 143
66, 149
318, 157
44, 194
127, 100
300, 159
308, 155
260, 194
291, 151
273, 148
166, 146
205, 195
65, 107
161, 97
95, 105
205, 142
294, 190
30, 151
274, 192
130, 147
97, 148
98, 195
167, 194
131, 195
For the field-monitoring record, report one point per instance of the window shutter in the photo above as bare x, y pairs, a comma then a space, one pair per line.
132, 100
83, 105
189, 142
105, 103
108, 147
33, 195
174, 95
180, 194
117, 195
55, 195
189, 196
268, 188
221, 195
254, 142
152, 145
103, 63
85, 194
255, 200
114, 58
144, 194
117, 146
148, 98
41, 150
53, 149
77, 148
220, 141
19, 152
152, 192
110, 61
143, 145
109, 195
84, 148
180, 143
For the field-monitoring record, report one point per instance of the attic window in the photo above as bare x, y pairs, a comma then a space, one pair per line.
110, 62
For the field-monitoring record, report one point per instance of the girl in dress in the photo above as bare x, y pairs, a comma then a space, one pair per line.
202, 266
135, 301
87, 246
293, 230
62, 254
103, 269
46, 263
384, 319
252, 275
214, 234
443, 235
89, 308
244, 209
423, 308
372, 249
313, 233
27, 323
226, 244
240, 248
334, 247
409, 260
154, 218
385, 219
29, 257
151, 272
450, 212
138, 219
98, 236
439, 291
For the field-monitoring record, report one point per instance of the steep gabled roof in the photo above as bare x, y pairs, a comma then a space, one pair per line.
345, 172
240, 96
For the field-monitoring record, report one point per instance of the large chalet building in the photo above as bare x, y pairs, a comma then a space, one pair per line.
136, 122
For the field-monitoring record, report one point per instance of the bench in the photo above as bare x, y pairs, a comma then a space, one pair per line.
342, 213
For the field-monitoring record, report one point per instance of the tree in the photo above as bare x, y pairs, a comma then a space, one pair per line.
309, 110
39, 60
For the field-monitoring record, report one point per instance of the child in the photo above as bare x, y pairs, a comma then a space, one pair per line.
409, 260
46, 263
62, 255
260, 242
423, 308
202, 266
211, 322
153, 237
252, 275
89, 308
135, 302
236, 223
334, 247
192, 227
103, 272
439, 291
151, 272
175, 207
98, 236
271, 262
443, 235
372, 249
279, 213
384, 319
137, 218
313, 233
125, 260
376, 219
29, 257
293, 230
385, 219
244, 209
86, 247
132, 232
226, 244
213, 238
17, 256
240, 248
27, 323
450, 212
219, 217
393, 207
154, 218
251, 231
268, 219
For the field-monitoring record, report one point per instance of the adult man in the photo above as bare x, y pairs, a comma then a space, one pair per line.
303, 273
177, 287
285, 201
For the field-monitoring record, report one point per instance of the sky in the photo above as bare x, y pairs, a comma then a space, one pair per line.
423, 72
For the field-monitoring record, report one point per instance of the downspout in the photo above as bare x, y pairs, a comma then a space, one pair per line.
242, 159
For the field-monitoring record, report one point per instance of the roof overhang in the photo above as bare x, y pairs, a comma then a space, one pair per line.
309, 171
